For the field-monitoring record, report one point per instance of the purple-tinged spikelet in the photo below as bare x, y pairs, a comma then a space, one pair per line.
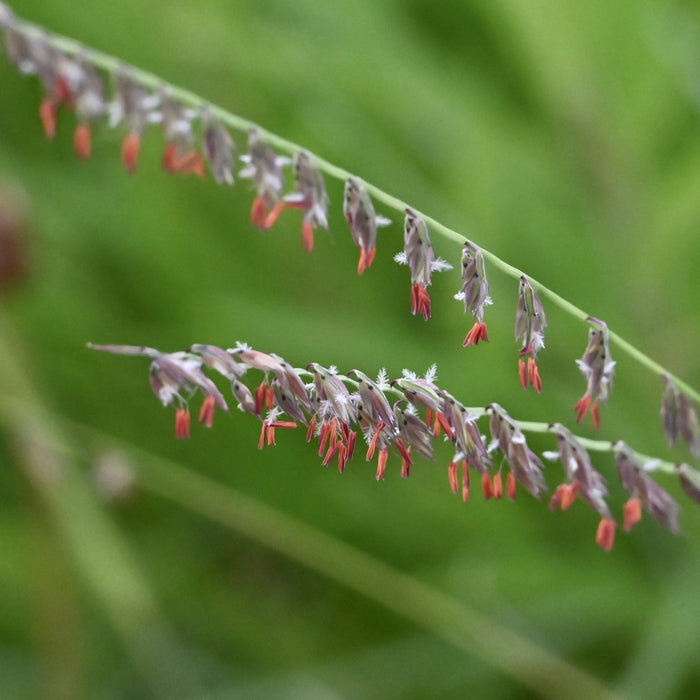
530, 323
474, 292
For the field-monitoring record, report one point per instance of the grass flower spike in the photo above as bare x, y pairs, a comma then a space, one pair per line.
309, 196
474, 292
530, 323
402, 419
418, 254
680, 417
598, 367
264, 167
362, 222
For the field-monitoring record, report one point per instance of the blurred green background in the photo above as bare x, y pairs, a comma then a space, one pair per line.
562, 136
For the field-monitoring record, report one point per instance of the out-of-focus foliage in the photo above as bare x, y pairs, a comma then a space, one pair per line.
563, 136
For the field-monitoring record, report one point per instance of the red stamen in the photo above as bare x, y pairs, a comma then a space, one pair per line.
605, 535
406, 460
334, 438
569, 496
633, 513
342, 457
258, 213
477, 333
362, 262
169, 161
429, 417
564, 496
190, 163
441, 422
352, 437
307, 232
465, 481
131, 147
326, 430
381, 463
263, 435
420, 301
311, 429
366, 259
198, 166
275, 214
270, 398
47, 112
487, 486
330, 454
260, 394
452, 476
268, 431
522, 372
373, 442
498, 486
581, 407
533, 375
182, 423
511, 486
62, 93
370, 256
206, 413
82, 141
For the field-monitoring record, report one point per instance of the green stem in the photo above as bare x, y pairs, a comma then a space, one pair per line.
111, 65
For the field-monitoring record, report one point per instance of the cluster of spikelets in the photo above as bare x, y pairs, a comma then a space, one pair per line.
196, 141
406, 415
